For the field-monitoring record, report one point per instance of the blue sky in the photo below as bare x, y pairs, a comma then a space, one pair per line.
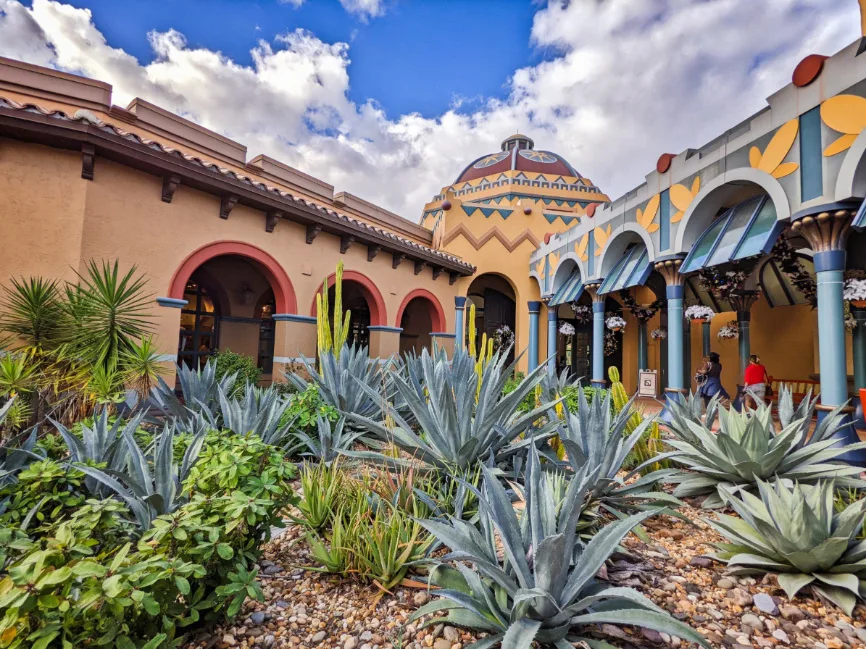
420, 56
390, 99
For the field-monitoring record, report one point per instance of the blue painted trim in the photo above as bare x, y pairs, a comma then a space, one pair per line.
172, 303
552, 315
532, 361
460, 302
829, 260
534, 306
597, 357
826, 207
395, 330
294, 317
590, 250
665, 220
677, 255
442, 334
675, 292
552, 326
598, 307
811, 157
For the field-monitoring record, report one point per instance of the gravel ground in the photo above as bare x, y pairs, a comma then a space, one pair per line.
311, 609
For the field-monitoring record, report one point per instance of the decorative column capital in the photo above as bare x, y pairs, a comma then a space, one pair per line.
534, 306
669, 268
742, 302
460, 302
592, 289
825, 227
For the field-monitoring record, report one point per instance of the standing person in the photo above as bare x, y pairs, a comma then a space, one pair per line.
712, 384
755, 382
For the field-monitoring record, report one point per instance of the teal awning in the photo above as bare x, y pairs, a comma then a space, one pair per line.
632, 270
747, 229
860, 218
569, 291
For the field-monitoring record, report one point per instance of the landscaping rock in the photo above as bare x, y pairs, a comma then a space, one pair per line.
751, 620
321, 635
701, 562
257, 618
421, 598
350, 643
791, 613
725, 583
765, 604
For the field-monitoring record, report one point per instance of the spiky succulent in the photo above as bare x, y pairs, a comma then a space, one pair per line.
259, 411
795, 533
462, 420
596, 439
544, 590
747, 448
332, 440
199, 388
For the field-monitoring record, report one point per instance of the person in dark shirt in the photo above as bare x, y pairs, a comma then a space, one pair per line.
755, 382
712, 386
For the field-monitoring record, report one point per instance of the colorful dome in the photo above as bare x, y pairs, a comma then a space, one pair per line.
518, 153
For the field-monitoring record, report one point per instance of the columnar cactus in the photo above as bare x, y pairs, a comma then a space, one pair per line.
620, 400
484, 353
328, 341
650, 443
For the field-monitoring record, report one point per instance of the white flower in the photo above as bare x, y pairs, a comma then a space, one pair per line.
729, 331
699, 312
615, 322
566, 329
659, 334
854, 289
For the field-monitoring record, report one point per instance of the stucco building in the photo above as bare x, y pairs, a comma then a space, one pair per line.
760, 224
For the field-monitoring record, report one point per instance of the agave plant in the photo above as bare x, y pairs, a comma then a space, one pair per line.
100, 443
340, 380
147, 494
544, 590
594, 438
17, 452
795, 533
260, 411
199, 387
747, 448
331, 441
458, 428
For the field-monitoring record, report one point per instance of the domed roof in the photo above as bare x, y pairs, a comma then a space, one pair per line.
518, 153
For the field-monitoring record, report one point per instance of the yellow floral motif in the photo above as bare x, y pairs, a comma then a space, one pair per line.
846, 114
438, 231
601, 236
646, 216
771, 160
682, 198
581, 246
539, 268
554, 261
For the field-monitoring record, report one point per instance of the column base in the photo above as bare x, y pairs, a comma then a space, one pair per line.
846, 435
859, 419
672, 395
598, 383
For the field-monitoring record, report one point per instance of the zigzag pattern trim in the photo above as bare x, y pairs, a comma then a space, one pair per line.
494, 232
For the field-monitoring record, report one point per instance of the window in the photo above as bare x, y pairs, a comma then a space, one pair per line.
632, 270
199, 326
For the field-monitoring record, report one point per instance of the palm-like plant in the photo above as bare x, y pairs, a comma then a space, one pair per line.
747, 448
596, 439
544, 589
464, 420
141, 365
795, 533
32, 312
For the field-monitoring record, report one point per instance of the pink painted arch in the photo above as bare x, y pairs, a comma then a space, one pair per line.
284, 292
437, 314
369, 290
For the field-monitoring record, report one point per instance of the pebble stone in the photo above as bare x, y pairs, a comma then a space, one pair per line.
765, 604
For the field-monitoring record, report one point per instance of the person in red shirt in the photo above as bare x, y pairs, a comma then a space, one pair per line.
755, 381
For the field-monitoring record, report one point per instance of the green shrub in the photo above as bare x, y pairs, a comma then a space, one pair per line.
229, 363
45, 491
306, 407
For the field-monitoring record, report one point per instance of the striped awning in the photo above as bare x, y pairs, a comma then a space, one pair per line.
632, 270
569, 291
860, 218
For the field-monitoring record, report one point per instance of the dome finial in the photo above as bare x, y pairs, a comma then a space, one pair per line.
517, 141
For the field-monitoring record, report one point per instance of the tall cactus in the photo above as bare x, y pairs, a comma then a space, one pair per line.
483, 354
328, 341
650, 443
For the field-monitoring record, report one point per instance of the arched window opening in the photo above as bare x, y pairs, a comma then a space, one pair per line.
199, 325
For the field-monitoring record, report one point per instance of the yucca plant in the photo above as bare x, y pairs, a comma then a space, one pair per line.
141, 366
795, 533
350, 381
596, 439
149, 494
457, 429
330, 442
747, 448
544, 589
32, 311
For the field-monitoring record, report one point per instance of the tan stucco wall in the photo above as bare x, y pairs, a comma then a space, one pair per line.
60, 221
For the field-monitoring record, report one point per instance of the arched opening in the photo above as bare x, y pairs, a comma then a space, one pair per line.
419, 315
362, 298
495, 308
230, 306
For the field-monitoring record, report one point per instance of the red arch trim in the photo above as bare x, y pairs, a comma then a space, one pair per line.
284, 292
370, 292
437, 315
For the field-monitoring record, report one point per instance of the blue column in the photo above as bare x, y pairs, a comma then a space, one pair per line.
552, 321
829, 269
675, 337
858, 347
705, 333
743, 331
459, 327
687, 354
642, 355
534, 310
598, 344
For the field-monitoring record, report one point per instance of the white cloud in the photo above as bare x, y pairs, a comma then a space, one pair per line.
364, 9
295, 3
630, 79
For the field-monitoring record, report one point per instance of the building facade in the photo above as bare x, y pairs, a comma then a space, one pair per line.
760, 224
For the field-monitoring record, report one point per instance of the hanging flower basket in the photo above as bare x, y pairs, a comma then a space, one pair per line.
566, 329
659, 334
699, 312
615, 323
854, 292
582, 313
729, 331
